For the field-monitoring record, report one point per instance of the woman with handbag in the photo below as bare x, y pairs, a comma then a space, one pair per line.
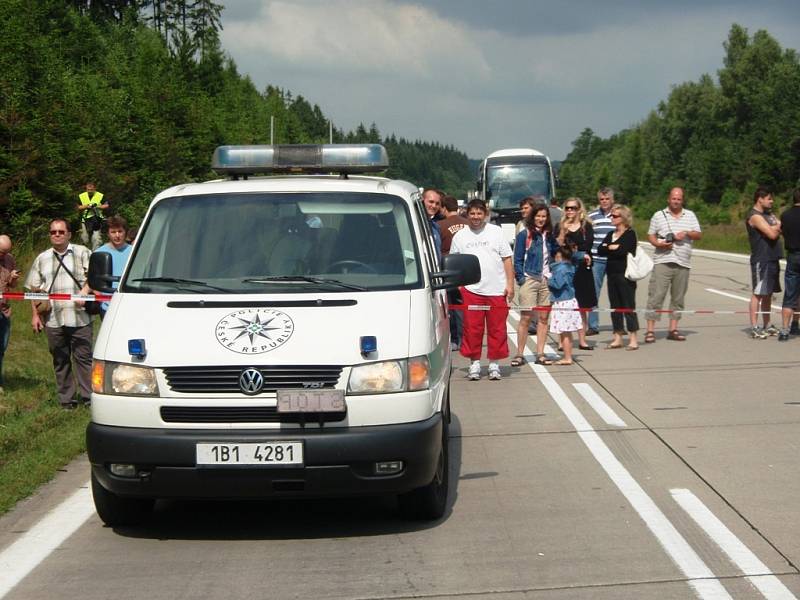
621, 290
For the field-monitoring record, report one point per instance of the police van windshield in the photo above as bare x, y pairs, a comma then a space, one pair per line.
275, 243
510, 183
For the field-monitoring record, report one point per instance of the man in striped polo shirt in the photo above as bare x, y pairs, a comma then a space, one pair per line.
672, 232
601, 223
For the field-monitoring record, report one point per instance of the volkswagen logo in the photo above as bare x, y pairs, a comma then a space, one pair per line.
251, 381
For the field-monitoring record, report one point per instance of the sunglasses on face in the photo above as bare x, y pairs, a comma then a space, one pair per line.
570, 208
615, 216
58, 232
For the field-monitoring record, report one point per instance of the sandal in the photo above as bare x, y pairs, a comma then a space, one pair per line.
613, 346
585, 347
518, 361
631, 348
675, 336
563, 362
650, 337
541, 360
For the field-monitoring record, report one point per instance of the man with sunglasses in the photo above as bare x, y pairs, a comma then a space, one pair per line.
63, 270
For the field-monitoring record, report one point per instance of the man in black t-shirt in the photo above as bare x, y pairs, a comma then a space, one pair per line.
790, 227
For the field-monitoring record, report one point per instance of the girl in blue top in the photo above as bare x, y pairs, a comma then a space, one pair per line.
565, 317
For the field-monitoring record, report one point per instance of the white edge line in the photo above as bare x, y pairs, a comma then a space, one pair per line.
599, 405
775, 309
25, 554
759, 575
699, 576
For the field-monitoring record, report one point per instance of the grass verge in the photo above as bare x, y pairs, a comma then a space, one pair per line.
37, 437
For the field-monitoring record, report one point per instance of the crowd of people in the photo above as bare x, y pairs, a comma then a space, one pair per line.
557, 270
554, 274
63, 269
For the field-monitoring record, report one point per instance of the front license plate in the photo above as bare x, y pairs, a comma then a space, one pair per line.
311, 401
265, 454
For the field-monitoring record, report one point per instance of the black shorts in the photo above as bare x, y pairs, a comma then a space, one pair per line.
766, 278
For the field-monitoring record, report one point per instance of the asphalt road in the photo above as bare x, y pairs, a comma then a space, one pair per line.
671, 472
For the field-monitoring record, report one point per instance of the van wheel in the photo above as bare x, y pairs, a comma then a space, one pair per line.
429, 502
114, 510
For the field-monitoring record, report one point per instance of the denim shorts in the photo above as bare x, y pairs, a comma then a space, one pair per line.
792, 281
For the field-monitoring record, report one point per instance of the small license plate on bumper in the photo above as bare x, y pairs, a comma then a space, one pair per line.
311, 401
263, 454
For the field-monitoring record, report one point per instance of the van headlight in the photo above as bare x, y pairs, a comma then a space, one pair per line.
390, 376
123, 379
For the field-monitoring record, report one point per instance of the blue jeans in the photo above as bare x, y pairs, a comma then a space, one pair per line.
598, 272
5, 332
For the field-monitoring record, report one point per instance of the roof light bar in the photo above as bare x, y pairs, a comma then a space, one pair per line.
300, 158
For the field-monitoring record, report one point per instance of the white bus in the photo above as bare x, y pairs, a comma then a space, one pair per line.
507, 176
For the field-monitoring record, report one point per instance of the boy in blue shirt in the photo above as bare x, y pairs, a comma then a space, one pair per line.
118, 248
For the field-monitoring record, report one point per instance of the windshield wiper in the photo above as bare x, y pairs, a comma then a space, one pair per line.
304, 279
180, 281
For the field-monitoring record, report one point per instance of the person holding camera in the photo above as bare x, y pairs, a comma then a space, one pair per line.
672, 232
91, 206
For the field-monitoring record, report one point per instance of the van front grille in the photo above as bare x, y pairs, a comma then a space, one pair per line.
241, 414
225, 380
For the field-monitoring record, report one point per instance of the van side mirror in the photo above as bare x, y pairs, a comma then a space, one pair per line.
100, 272
459, 269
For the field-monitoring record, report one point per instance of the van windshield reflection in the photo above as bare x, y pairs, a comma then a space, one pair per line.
275, 242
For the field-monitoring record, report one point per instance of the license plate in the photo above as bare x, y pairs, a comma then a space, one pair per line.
311, 401
264, 454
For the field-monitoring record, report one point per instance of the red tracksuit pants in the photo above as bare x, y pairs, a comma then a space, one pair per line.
492, 319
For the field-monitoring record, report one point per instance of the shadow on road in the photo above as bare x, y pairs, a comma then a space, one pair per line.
290, 518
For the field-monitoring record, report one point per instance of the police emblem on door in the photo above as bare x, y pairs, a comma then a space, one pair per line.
251, 381
254, 330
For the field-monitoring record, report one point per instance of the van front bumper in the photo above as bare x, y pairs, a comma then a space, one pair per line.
338, 461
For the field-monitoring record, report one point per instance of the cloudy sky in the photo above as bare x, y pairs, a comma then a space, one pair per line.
490, 74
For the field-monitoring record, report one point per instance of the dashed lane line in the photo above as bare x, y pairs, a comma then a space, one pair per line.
758, 574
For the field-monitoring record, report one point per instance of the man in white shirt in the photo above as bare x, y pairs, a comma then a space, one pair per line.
63, 270
672, 231
494, 290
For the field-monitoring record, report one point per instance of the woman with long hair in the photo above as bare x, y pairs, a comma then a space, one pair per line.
534, 249
575, 231
621, 291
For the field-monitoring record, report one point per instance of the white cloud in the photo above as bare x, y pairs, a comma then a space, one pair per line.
357, 37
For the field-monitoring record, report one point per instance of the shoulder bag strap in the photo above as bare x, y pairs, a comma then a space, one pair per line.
61, 264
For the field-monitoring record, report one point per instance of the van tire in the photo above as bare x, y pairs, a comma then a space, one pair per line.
114, 510
429, 502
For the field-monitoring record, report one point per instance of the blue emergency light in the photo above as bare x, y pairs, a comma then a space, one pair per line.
300, 158
369, 344
137, 349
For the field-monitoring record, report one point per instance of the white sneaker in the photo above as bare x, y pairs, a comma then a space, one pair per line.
475, 370
494, 372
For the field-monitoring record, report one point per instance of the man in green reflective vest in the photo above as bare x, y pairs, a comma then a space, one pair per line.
91, 208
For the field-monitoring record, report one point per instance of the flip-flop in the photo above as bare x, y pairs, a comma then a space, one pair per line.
613, 346
563, 362
631, 348
543, 361
518, 361
585, 347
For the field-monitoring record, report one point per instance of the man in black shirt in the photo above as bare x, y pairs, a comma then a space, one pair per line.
790, 227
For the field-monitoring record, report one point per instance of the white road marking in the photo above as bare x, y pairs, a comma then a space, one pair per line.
699, 575
759, 575
775, 309
599, 405
21, 557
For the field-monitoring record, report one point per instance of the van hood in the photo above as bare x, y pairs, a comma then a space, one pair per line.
188, 330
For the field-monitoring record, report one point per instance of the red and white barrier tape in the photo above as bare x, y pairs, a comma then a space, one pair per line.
660, 311
46, 296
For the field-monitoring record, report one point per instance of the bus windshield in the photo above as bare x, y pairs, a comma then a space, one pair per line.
275, 243
510, 183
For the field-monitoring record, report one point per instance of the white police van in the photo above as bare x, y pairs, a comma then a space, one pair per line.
281, 336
